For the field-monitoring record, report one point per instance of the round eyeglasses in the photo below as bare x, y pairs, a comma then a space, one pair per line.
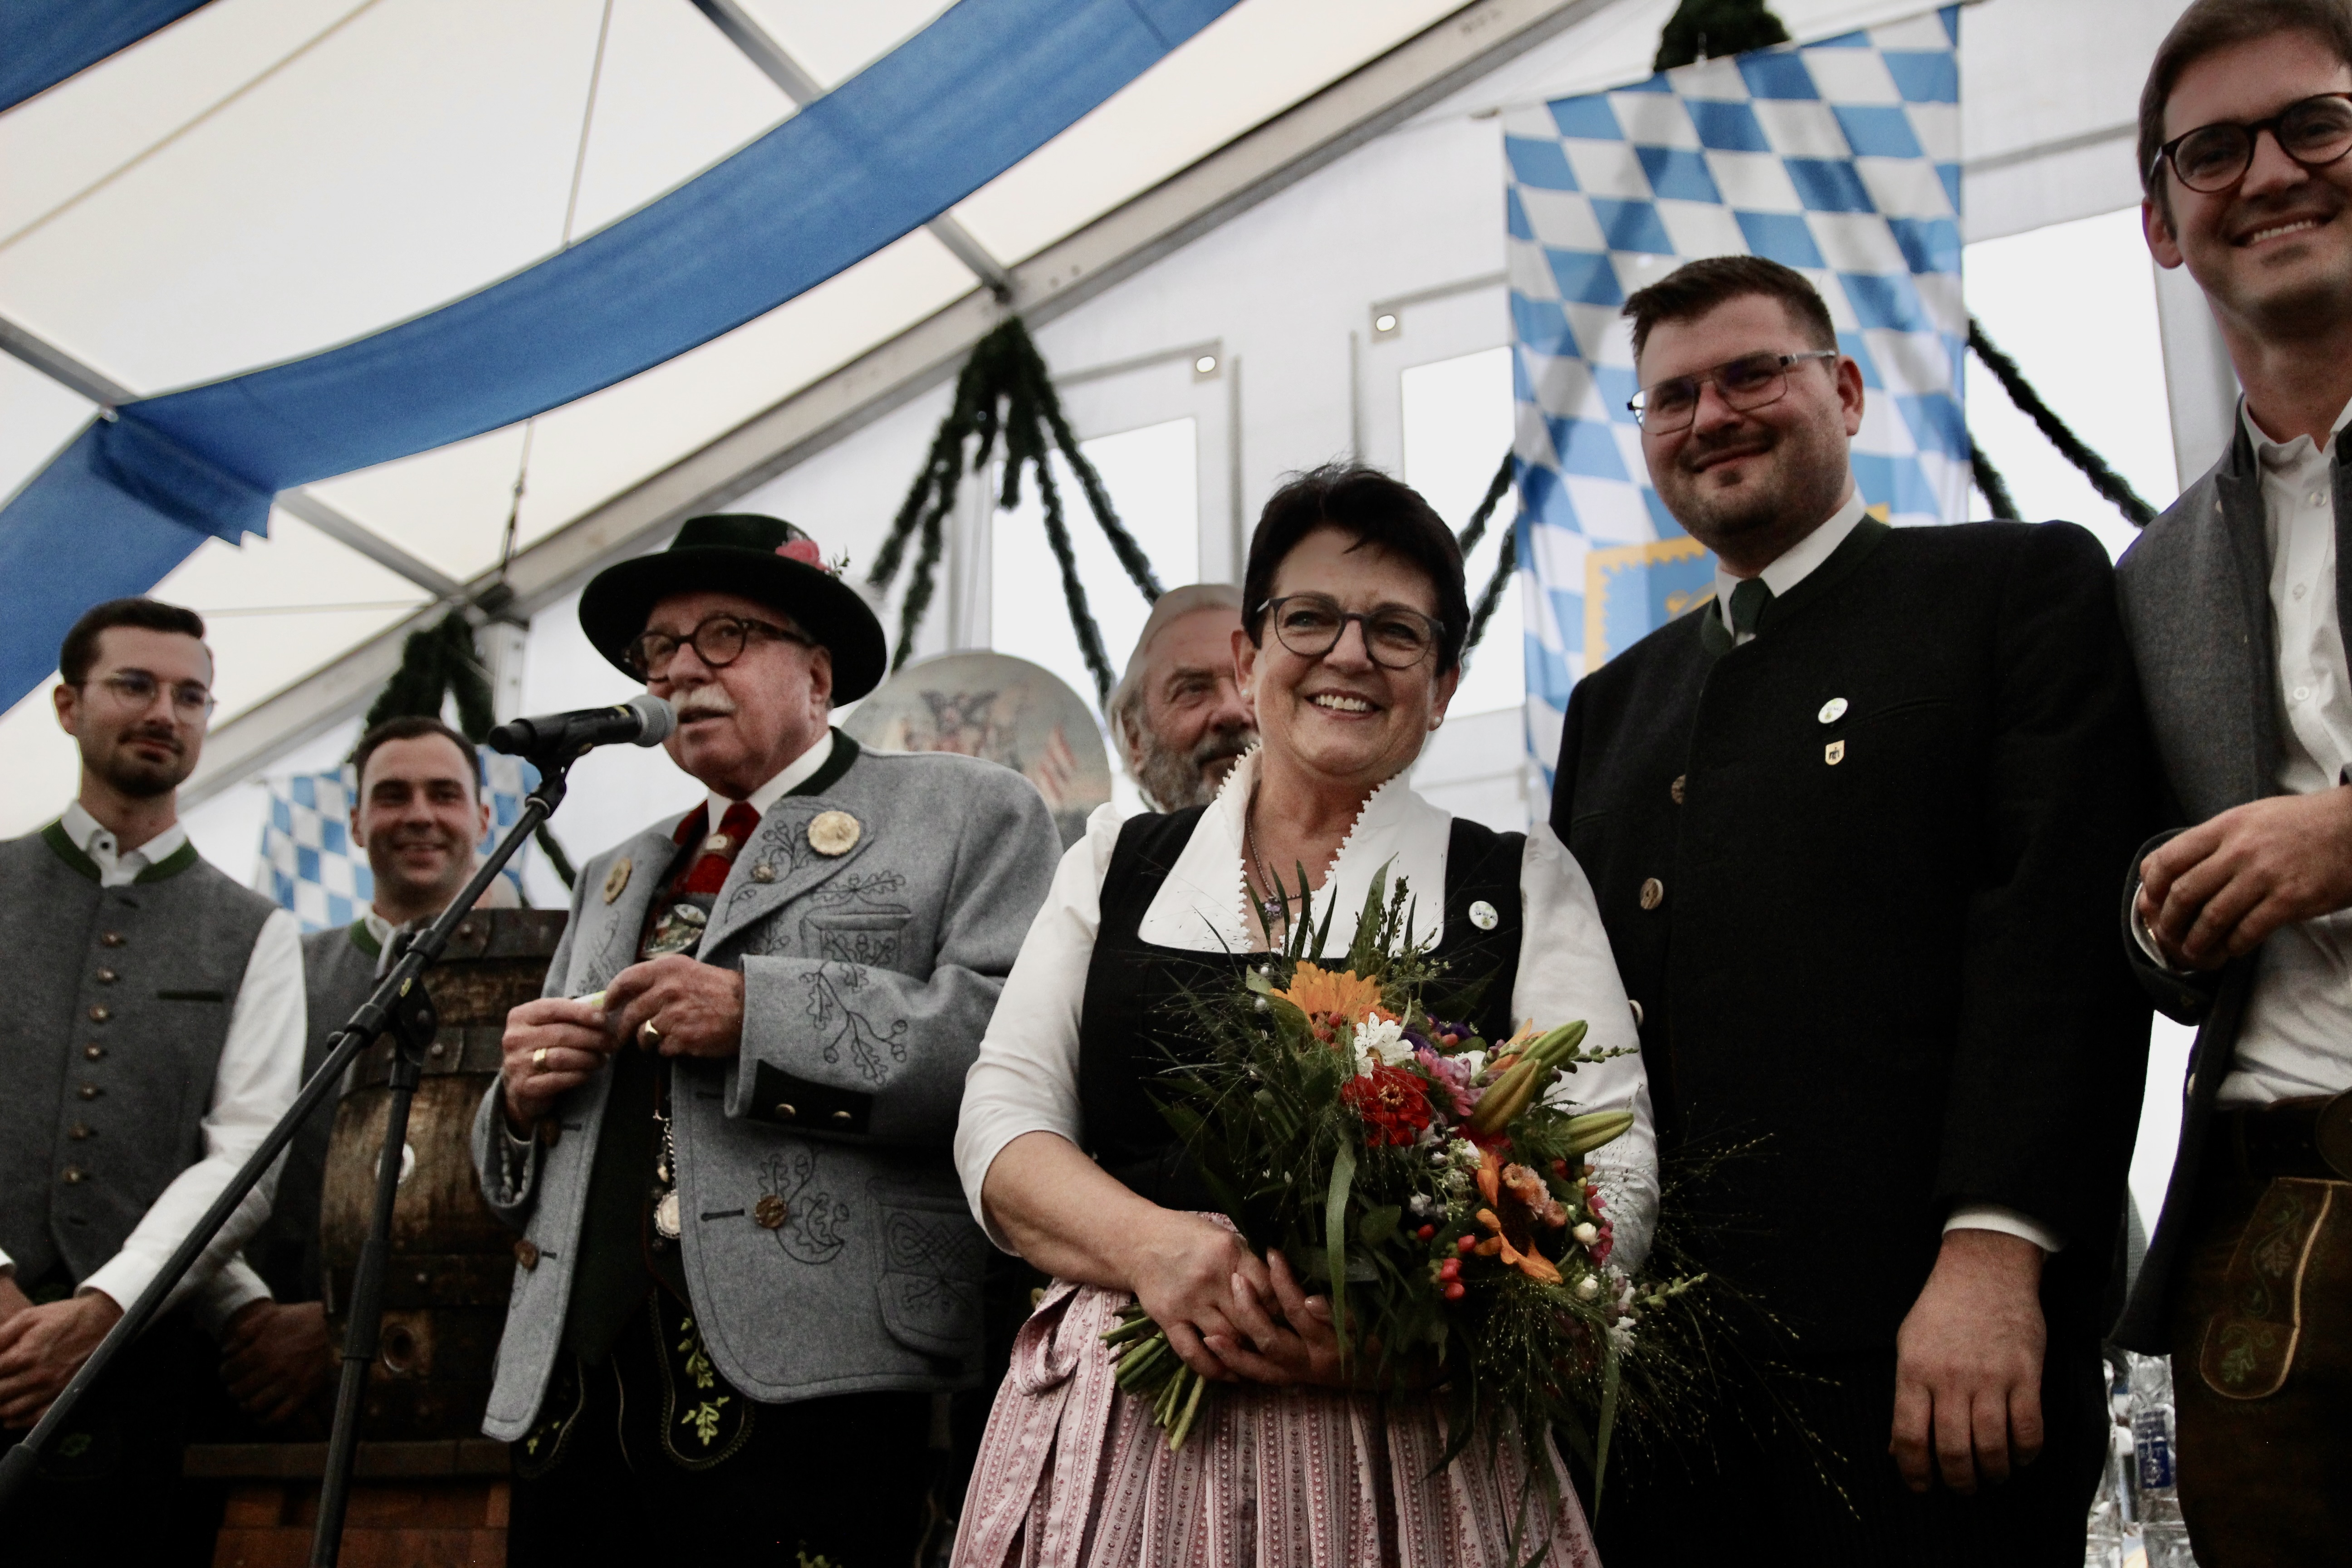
1309, 626
134, 691
718, 641
2314, 132
1750, 382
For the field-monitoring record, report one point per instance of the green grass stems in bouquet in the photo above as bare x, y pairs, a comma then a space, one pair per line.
1433, 1182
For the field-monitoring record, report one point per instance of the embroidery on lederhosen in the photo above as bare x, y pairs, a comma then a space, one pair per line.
704, 1419
544, 1446
2250, 1341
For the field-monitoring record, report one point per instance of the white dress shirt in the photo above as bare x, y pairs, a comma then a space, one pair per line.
797, 773
1792, 567
1026, 1078
260, 1067
2296, 1039
1797, 562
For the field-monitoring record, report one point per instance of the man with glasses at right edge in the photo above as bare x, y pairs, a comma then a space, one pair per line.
2233, 602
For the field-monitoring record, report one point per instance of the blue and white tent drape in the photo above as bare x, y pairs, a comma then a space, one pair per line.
1839, 158
309, 864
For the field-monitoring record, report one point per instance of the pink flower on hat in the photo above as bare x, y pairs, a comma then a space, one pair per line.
803, 550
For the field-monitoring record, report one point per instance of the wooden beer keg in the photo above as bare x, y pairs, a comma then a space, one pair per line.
452, 1262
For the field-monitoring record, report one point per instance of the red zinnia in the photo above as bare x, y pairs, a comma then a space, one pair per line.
1393, 1103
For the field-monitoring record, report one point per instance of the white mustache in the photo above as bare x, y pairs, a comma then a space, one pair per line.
701, 700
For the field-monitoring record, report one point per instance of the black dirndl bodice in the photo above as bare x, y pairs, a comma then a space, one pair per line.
1135, 1020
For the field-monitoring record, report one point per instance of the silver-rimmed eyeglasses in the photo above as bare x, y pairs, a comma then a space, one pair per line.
1750, 382
134, 690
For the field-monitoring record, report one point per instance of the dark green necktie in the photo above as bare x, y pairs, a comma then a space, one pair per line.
1748, 598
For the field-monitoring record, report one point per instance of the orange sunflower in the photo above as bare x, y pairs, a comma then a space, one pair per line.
1328, 998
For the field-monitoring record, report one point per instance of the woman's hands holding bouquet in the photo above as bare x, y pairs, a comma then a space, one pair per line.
1229, 1315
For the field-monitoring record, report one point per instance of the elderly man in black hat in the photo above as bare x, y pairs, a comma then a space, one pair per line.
746, 1281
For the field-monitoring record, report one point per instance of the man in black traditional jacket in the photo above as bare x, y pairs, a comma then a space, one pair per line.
1853, 826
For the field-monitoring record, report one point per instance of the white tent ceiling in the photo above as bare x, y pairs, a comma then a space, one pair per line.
267, 178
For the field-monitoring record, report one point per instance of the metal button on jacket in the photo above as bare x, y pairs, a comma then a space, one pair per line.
74, 1174
1676, 788
100, 1013
78, 1132
1653, 893
108, 977
89, 1091
784, 1111
111, 939
526, 1252
93, 1052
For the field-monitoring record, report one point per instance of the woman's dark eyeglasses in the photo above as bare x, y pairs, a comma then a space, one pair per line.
1751, 380
718, 642
1309, 626
2314, 132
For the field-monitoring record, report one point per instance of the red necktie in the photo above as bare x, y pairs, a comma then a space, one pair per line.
709, 872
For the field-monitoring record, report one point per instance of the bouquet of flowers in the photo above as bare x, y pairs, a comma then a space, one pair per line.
1433, 1182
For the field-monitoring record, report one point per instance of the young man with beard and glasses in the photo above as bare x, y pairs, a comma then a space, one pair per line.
2234, 602
1853, 826
419, 814
152, 1037
1178, 712
749, 1288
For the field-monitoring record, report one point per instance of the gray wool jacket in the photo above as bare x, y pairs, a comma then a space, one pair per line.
869, 976
2195, 591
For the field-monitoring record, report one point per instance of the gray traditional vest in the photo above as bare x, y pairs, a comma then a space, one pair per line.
338, 975
119, 1003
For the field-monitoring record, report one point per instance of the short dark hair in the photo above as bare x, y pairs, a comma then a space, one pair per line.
79, 650
409, 726
1372, 509
1694, 289
2207, 28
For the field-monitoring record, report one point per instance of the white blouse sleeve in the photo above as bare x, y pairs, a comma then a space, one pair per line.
1027, 1077
1566, 972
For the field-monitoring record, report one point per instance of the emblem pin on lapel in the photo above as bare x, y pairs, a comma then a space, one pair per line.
1483, 915
833, 833
1833, 710
616, 879
1833, 753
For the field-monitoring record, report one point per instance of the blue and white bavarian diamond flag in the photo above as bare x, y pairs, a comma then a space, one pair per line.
308, 863
1839, 159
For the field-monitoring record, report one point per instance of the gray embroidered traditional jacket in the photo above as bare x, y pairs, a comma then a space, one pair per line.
869, 976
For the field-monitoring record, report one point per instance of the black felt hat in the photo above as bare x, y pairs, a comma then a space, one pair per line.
763, 558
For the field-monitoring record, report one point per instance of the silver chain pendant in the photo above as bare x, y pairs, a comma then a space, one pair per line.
666, 1216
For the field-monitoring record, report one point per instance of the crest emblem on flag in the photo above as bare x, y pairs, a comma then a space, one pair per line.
1838, 158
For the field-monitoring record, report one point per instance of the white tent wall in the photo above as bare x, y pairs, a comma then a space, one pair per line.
1283, 294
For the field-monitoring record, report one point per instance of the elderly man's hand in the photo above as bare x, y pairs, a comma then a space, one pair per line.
274, 1358
42, 1347
678, 1006
551, 1047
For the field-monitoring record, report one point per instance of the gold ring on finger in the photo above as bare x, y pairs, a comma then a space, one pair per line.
538, 1059
648, 1034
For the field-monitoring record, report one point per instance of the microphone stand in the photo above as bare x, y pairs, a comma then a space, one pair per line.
401, 1007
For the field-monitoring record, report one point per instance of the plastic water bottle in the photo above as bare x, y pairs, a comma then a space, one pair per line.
2161, 1530
2103, 1542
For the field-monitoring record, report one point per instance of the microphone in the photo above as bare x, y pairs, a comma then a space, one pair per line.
643, 720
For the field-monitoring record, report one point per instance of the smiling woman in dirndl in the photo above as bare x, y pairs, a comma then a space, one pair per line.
1355, 615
